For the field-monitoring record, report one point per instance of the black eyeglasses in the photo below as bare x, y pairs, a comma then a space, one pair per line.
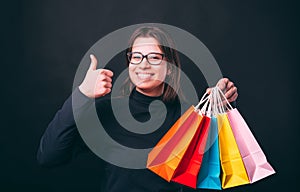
152, 58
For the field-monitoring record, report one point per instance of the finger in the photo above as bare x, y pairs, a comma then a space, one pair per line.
230, 85
223, 83
102, 92
230, 92
105, 84
208, 90
106, 72
233, 97
225, 80
107, 90
94, 63
103, 77
107, 79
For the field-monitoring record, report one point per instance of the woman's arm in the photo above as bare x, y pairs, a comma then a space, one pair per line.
61, 138
57, 145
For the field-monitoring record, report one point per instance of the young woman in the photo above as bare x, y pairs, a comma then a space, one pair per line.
153, 75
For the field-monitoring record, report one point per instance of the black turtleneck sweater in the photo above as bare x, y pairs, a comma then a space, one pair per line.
61, 141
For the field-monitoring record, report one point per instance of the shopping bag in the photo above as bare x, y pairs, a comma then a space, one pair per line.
233, 170
165, 157
253, 157
209, 174
159, 146
187, 171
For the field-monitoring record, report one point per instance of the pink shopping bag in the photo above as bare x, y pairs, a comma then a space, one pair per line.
254, 159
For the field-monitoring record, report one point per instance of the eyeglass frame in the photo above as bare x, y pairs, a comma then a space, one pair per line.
145, 56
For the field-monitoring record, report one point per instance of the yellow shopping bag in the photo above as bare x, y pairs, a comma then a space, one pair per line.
233, 170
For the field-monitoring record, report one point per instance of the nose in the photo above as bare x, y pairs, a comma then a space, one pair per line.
144, 64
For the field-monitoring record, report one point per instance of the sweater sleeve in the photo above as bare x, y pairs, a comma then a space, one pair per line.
61, 139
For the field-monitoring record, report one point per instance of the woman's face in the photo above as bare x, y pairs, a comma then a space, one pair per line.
147, 78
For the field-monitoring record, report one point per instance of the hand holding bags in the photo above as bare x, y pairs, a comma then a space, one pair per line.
195, 147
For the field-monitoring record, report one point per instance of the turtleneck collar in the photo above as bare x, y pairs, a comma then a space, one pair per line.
140, 97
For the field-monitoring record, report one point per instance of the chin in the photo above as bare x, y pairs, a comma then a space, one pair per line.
151, 88
145, 87
149, 84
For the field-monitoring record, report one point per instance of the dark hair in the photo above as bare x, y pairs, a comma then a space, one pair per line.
171, 55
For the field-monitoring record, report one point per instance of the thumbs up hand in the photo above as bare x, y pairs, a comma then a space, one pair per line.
97, 82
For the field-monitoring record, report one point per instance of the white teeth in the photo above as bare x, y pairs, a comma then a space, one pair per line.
144, 75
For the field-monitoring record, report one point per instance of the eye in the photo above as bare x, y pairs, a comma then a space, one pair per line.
136, 56
154, 57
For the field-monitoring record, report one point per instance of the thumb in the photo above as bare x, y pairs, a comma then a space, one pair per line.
222, 84
208, 90
94, 62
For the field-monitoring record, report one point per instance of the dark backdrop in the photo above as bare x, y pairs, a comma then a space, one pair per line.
255, 43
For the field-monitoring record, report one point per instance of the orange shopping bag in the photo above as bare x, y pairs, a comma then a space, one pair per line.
188, 169
165, 157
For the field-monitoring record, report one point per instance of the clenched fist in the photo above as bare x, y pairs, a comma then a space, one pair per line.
228, 88
97, 82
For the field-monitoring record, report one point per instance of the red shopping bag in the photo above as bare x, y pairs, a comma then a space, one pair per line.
188, 169
165, 157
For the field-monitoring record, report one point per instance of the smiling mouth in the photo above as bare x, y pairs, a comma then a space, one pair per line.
145, 76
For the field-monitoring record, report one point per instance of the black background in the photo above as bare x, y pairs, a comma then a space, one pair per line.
254, 42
